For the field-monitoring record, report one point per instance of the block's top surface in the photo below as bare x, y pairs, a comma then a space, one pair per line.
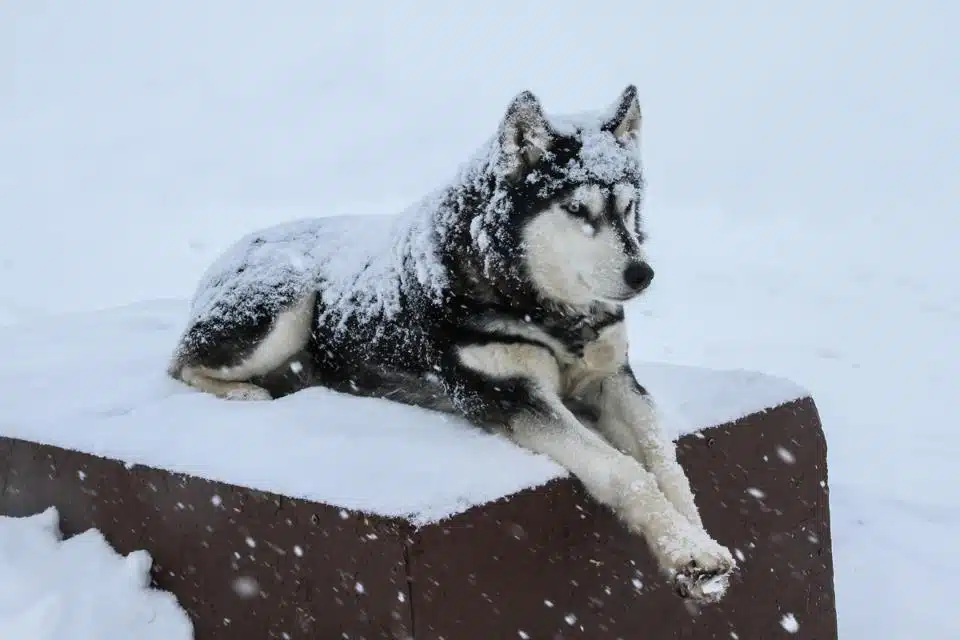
96, 383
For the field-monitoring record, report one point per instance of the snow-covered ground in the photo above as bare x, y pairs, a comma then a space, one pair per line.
79, 588
801, 159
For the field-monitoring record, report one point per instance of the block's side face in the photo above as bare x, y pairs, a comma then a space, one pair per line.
552, 563
761, 486
244, 564
6, 449
547, 563
87, 492
263, 565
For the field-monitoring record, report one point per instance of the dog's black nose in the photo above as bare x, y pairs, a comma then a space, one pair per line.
638, 275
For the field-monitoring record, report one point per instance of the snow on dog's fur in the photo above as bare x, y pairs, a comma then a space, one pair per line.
498, 297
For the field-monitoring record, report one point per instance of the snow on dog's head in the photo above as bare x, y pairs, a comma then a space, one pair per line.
548, 206
572, 188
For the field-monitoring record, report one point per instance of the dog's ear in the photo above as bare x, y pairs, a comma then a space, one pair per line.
524, 134
625, 122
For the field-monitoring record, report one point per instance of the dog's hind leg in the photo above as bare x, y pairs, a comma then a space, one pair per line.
204, 380
223, 358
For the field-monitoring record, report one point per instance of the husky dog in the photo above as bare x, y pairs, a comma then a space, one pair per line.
498, 297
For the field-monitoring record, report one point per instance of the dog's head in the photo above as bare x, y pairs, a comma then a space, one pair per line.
576, 186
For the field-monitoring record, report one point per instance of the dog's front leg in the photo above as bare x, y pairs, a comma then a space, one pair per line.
517, 386
628, 417
684, 551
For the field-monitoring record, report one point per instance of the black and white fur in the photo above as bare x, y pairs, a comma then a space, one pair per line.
498, 297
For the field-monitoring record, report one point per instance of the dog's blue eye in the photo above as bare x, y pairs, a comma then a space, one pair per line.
575, 208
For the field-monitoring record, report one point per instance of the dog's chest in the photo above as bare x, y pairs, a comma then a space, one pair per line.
575, 337
582, 336
587, 348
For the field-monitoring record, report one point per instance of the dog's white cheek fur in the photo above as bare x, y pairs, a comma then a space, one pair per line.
554, 248
559, 248
608, 261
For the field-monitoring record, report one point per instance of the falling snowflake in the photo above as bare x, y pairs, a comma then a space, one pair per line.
789, 623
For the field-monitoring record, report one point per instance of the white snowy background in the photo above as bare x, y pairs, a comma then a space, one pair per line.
802, 161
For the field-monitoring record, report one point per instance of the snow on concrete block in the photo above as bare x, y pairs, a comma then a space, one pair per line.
96, 383
320, 514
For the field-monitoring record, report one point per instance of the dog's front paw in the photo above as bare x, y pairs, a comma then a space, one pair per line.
247, 392
702, 584
701, 570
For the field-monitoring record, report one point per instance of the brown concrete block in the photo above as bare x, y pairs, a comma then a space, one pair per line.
546, 562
